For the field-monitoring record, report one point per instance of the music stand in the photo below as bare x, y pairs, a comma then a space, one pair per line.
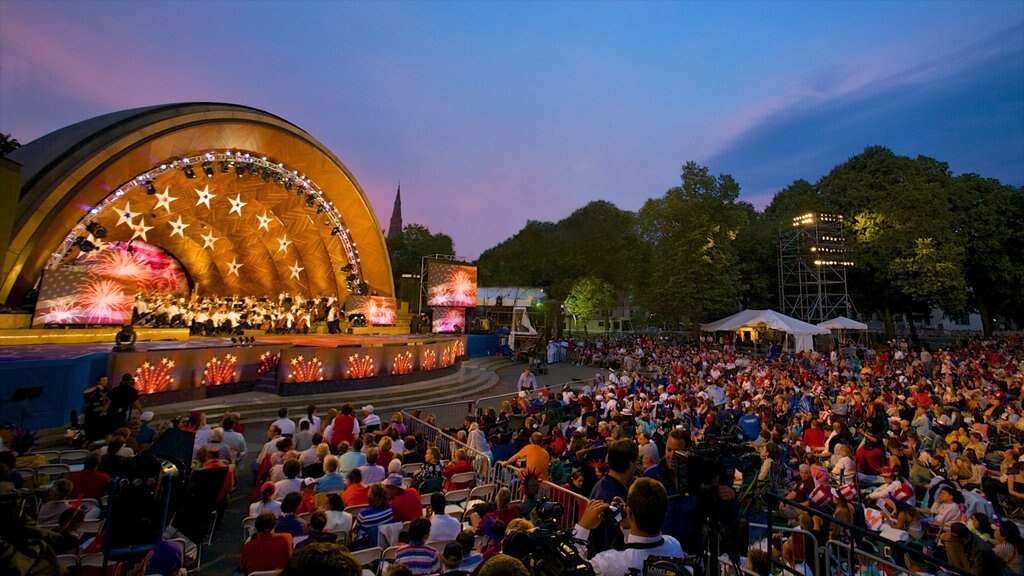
25, 394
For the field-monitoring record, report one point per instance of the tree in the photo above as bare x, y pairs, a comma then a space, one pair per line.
8, 144
693, 274
588, 297
416, 241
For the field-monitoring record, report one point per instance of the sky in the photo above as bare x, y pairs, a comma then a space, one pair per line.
491, 114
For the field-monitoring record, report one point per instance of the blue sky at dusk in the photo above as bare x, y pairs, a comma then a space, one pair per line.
491, 114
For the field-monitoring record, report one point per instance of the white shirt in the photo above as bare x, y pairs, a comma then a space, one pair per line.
314, 425
619, 562
286, 425
443, 528
371, 420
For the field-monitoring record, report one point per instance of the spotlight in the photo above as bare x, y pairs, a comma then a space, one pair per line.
288, 185
277, 178
84, 245
347, 267
150, 187
319, 208
310, 201
96, 229
266, 174
253, 169
240, 170
224, 166
335, 231
189, 172
208, 169
300, 190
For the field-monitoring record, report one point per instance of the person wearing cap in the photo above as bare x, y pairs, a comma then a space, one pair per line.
371, 421
146, 433
406, 503
451, 560
266, 502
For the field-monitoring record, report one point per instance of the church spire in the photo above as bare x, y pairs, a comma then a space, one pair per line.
395, 228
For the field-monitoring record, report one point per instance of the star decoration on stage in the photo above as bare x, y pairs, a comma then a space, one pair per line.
234, 266
164, 200
126, 216
208, 240
236, 204
204, 196
295, 270
264, 221
283, 243
178, 227
140, 229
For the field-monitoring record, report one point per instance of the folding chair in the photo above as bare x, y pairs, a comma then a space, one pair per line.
72, 457
455, 498
52, 456
248, 527
368, 556
480, 494
28, 477
69, 561
412, 468
463, 479
355, 510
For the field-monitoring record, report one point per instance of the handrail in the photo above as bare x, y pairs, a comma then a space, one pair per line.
814, 539
772, 497
860, 553
488, 470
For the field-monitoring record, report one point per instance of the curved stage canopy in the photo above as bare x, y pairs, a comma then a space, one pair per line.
249, 203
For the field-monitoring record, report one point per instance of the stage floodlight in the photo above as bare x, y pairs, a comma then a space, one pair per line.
96, 229
288, 184
278, 179
266, 174
253, 169
224, 168
84, 245
208, 169
335, 231
189, 172
300, 190
150, 187
319, 208
310, 201
240, 169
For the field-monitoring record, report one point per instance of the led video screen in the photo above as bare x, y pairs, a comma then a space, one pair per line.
99, 287
379, 310
445, 320
451, 284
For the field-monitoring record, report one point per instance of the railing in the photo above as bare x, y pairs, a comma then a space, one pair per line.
812, 557
572, 503
448, 444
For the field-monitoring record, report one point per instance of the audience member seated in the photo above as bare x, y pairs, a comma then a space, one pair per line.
289, 522
267, 549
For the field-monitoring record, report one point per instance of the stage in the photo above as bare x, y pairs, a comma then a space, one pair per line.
200, 367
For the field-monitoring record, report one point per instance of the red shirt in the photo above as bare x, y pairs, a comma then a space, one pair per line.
266, 551
88, 484
814, 437
344, 429
455, 468
407, 505
356, 495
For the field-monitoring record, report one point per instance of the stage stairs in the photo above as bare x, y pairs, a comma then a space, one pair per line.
474, 379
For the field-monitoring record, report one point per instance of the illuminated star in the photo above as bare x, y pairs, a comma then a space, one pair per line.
234, 266
283, 243
236, 204
140, 229
204, 196
178, 227
164, 200
264, 221
126, 216
296, 269
208, 240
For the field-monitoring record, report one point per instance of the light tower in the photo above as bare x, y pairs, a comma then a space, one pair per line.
812, 268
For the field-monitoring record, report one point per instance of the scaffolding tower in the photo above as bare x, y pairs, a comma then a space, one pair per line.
812, 269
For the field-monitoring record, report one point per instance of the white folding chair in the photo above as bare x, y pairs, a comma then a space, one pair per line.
482, 493
248, 527
463, 479
71, 457
368, 556
455, 498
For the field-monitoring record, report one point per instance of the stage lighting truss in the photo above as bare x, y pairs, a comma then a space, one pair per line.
242, 161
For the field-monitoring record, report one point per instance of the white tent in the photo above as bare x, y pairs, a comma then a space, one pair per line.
841, 324
802, 332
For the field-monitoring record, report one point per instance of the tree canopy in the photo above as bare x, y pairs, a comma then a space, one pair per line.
416, 241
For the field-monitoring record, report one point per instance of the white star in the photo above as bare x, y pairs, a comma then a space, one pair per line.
140, 229
236, 204
208, 240
178, 227
204, 196
296, 269
234, 266
164, 200
264, 221
283, 242
126, 215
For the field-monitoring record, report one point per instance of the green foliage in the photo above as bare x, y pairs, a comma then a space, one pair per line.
415, 242
8, 144
588, 297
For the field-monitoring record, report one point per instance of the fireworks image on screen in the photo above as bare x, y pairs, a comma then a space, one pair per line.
150, 378
360, 366
446, 319
99, 287
429, 358
220, 371
379, 313
451, 285
402, 364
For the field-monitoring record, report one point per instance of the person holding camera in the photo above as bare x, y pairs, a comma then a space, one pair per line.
643, 515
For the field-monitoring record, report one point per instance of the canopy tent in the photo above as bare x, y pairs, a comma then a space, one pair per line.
841, 324
802, 332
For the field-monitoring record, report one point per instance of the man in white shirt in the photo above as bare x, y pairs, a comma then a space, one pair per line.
643, 515
443, 528
233, 440
527, 381
284, 423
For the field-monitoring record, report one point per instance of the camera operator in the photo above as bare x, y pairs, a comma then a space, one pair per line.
621, 457
683, 519
643, 515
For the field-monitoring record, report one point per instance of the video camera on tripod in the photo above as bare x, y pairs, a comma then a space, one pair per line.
549, 550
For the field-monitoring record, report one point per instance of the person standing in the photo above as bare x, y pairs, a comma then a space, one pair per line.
527, 381
95, 408
122, 401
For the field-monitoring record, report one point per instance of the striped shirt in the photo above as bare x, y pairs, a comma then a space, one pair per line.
418, 558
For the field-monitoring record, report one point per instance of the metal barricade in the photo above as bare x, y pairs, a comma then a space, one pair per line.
511, 477
448, 444
815, 551
864, 563
448, 414
496, 400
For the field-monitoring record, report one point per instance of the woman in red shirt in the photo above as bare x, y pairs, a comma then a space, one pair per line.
266, 550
